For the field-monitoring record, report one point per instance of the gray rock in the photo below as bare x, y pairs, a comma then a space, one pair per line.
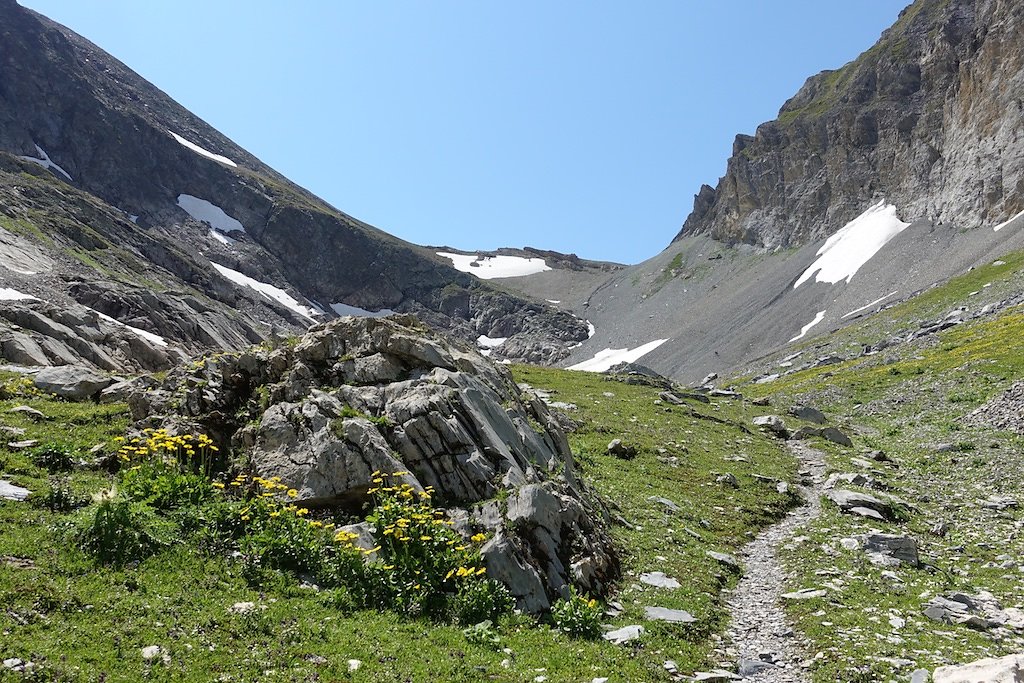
659, 580
447, 417
714, 676
28, 411
847, 501
675, 616
1008, 669
771, 423
74, 383
726, 559
668, 504
624, 634
805, 594
620, 450
808, 414
9, 491
835, 436
20, 348
751, 667
865, 512
999, 503
902, 548
728, 479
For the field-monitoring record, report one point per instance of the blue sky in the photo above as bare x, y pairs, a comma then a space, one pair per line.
579, 126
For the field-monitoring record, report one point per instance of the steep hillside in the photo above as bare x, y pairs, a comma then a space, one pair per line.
181, 205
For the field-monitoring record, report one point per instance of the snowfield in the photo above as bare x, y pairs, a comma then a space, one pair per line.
490, 267
603, 360
8, 294
204, 211
270, 291
845, 252
45, 161
345, 309
998, 227
203, 152
803, 330
155, 338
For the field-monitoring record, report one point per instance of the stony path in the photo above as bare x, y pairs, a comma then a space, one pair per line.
761, 641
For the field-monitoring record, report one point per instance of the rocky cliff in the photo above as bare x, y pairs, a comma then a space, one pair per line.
929, 118
130, 205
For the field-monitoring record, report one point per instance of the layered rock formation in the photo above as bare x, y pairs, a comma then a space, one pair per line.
930, 118
360, 395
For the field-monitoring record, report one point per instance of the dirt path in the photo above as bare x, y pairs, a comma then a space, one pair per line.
767, 650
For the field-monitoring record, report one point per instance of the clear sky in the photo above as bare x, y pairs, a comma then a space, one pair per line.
582, 126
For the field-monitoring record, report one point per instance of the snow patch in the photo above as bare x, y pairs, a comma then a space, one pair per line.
8, 294
155, 338
867, 306
603, 360
486, 342
803, 330
553, 301
270, 291
202, 210
1005, 223
591, 330
345, 309
490, 267
203, 152
845, 252
45, 161
221, 237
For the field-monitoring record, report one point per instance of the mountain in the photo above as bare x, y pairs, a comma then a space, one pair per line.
120, 204
930, 118
877, 181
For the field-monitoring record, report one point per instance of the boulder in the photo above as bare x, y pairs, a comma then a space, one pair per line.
620, 450
808, 414
71, 382
773, 424
1008, 669
847, 501
359, 395
901, 548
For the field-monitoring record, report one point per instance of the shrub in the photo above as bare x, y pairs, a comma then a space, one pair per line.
119, 531
54, 458
165, 488
578, 616
423, 562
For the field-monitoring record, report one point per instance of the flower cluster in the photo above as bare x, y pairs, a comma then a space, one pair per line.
158, 446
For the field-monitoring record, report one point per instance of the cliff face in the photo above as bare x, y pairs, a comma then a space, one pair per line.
925, 118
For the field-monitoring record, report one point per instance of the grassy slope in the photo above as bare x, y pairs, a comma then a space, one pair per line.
906, 401
82, 622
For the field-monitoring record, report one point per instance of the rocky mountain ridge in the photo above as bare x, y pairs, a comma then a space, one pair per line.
929, 118
108, 178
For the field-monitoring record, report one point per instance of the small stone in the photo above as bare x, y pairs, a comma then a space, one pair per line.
354, 664
9, 491
242, 607
726, 559
22, 445
805, 594
659, 580
669, 505
675, 616
28, 411
624, 634
728, 479
752, 667
151, 652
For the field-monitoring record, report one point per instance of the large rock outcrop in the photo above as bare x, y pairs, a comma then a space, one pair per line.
358, 395
925, 118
